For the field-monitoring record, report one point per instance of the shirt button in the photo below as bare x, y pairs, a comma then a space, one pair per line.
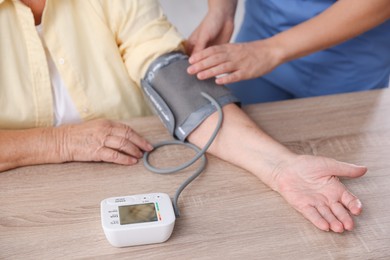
61, 61
85, 110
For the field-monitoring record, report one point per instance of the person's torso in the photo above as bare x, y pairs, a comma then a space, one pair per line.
85, 53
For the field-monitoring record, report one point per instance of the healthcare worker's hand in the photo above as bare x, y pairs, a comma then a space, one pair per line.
310, 184
102, 140
216, 28
235, 62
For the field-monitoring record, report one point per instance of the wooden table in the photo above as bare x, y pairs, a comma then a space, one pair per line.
53, 211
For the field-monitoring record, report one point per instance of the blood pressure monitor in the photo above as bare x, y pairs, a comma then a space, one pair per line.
150, 218
137, 219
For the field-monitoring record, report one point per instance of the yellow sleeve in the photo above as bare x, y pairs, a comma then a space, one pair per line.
142, 32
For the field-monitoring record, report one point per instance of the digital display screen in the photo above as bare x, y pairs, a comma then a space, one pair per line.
140, 213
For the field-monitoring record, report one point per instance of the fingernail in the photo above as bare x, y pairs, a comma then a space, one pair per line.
359, 166
150, 147
219, 81
358, 203
133, 160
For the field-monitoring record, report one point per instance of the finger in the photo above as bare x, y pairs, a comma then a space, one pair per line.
193, 46
203, 54
218, 70
348, 170
351, 202
122, 130
315, 217
122, 145
109, 155
229, 78
208, 63
196, 43
188, 46
199, 46
328, 215
342, 215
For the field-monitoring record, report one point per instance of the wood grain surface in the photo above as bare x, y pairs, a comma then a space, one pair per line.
53, 211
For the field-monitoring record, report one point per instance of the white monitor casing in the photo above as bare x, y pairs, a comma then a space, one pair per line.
123, 224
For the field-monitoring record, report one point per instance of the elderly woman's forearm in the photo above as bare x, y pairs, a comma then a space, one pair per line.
28, 147
241, 142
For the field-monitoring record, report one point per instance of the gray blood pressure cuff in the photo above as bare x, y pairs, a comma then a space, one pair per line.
176, 95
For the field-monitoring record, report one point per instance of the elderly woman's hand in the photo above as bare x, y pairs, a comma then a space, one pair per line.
311, 185
101, 140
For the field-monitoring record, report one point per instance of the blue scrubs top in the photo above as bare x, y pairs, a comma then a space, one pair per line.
361, 63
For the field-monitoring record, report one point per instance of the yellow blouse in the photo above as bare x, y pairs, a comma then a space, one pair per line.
102, 48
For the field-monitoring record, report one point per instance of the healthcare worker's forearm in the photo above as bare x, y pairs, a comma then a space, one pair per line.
216, 27
228, 7
342, 21
241, 142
